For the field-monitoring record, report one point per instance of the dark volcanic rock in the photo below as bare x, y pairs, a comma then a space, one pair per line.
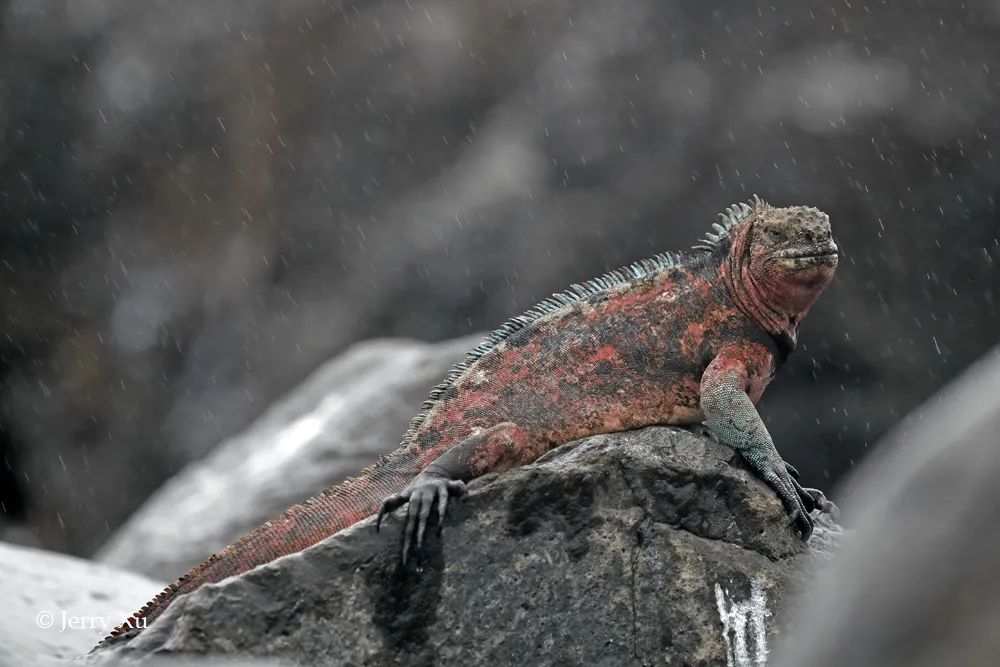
639, 547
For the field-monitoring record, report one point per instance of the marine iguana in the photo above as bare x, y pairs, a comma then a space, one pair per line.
675, 339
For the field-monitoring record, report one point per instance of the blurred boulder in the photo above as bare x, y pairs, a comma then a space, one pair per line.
640, 547
202, 202
917, 582
57, 607
341, 419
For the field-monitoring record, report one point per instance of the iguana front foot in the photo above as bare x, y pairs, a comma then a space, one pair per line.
797, 500
813, 499
423, 492
800, 501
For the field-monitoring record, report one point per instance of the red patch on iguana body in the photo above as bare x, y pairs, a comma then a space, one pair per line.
563, 378
602, 353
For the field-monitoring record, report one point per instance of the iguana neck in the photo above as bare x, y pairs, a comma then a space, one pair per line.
753, 298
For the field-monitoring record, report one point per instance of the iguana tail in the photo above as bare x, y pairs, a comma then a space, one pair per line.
295, 529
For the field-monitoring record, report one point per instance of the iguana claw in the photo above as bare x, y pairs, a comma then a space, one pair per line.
798, 501
814, 499
808, 500
803, 523
421, 494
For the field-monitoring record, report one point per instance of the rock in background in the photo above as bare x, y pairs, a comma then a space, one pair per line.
54, 605
338, 421
917, 584
202, 202
644, 547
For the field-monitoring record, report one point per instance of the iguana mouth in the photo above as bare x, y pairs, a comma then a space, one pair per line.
826, 249
811, 256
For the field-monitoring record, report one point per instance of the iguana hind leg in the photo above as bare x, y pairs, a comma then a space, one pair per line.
497, 448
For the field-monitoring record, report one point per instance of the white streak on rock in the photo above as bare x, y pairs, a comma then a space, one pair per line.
743, 626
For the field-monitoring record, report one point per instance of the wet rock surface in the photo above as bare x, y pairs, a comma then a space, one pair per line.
643, 547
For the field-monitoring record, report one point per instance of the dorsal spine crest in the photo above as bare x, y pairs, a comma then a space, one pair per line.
732, 217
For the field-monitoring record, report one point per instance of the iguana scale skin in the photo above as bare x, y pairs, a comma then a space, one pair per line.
676, 339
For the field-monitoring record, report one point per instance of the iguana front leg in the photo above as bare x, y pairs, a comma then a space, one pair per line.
726, 388
498, 448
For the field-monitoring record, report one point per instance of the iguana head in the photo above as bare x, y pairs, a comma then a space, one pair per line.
779, 261
792, 255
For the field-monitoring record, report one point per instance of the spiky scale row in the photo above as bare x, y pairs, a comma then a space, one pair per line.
732, 217
132, 622
620, 276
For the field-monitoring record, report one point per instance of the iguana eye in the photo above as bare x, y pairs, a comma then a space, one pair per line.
775, 235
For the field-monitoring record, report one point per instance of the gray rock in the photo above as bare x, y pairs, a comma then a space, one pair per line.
56, 607
643, 547
338, 421
917, 583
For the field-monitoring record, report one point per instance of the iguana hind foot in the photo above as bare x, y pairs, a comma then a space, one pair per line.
426, 491
493, 449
